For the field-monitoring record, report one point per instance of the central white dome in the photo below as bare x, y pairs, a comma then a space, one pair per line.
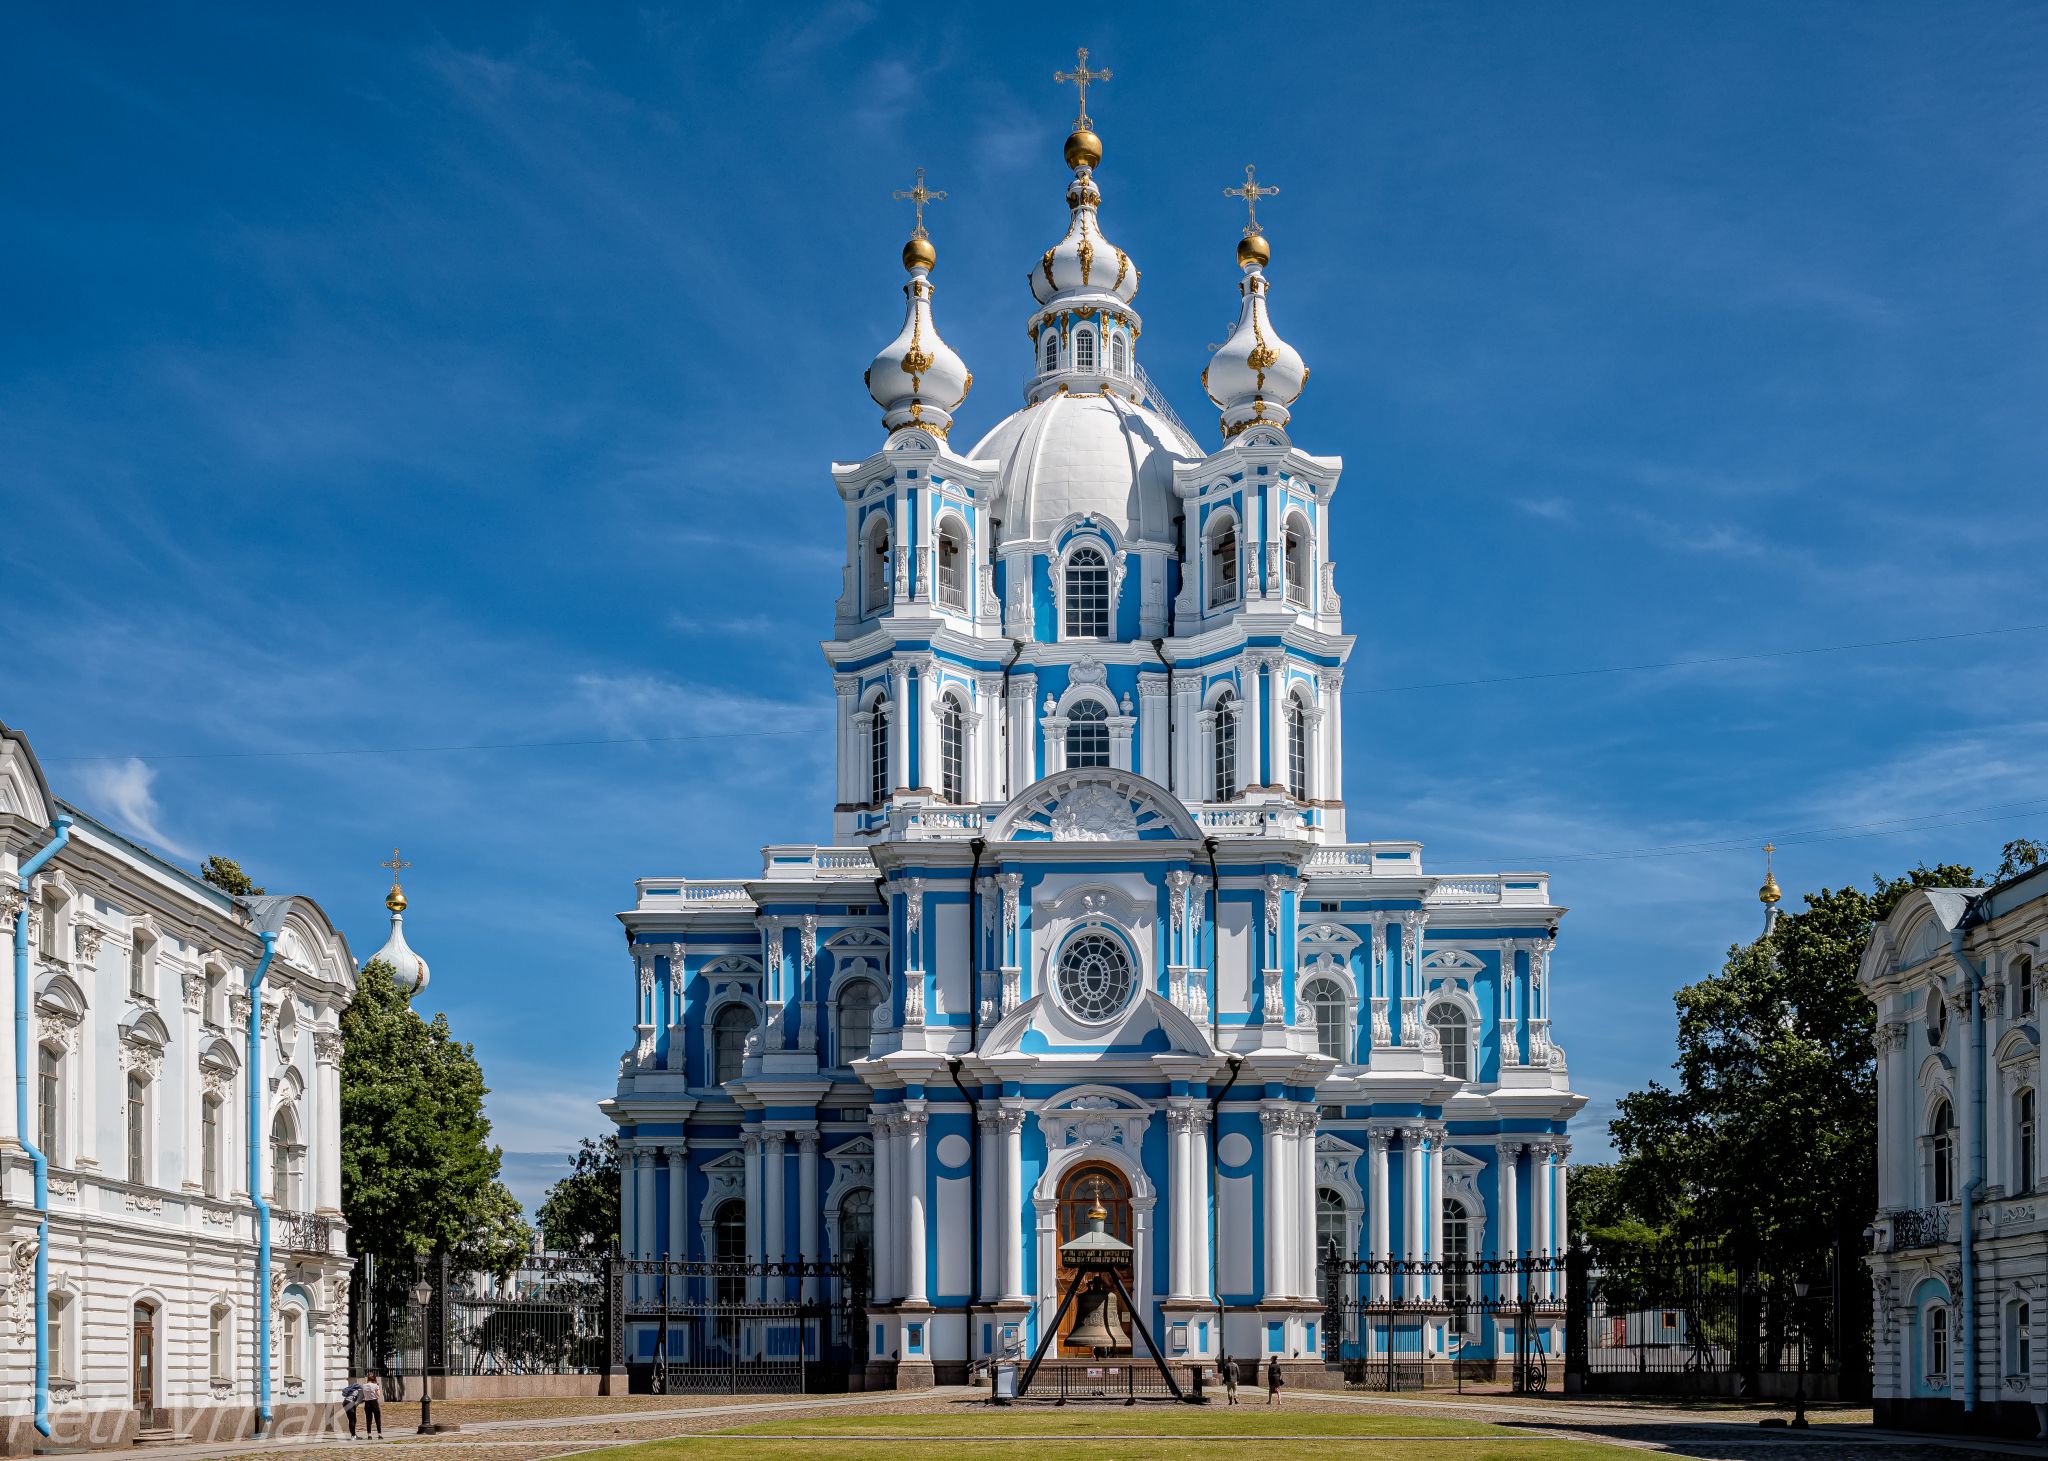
1095, 454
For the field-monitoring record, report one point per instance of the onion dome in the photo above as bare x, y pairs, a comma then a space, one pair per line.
918, 379
408, 970
1084, 334
1256, 375
1770, 893
1083, 263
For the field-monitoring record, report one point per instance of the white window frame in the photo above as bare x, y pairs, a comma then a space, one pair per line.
847, 986
138, 1115
1105, 559
1221, 590
1298, 553
1119, 353
880, 770
220, 1343
63, 1337
1465, 1042
711, 1076
1084, 349
877, 564
1096, 714
957, 593
1049, 351
1301, 746
1225, 783
953, 761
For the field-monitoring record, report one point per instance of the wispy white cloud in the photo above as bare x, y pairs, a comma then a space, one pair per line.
1549, 509
122, 792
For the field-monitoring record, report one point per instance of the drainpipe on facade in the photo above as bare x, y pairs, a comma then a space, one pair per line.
1974, 982
253, 1064
1003, 710
38, 1158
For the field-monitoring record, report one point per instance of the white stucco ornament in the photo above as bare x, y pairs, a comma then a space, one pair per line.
1094, 813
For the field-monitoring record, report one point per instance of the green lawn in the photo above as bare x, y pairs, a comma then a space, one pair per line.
1138, 1433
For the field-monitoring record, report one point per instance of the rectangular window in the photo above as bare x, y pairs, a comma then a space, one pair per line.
2020, 1343
216, 1011
217, 1346
293, 1344
46, 932
209, 1145
1937, 1340
2025, 977
138, 1127
138, 968
60, 1337
49, 1092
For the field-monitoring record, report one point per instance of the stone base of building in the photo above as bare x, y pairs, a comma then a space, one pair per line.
78, 1427
2017, 1420
906, 1375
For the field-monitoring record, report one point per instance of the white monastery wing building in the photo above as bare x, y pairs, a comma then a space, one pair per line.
1092, 927
166, 1042
1960, 1261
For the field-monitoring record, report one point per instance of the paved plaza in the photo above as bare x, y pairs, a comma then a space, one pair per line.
1412, 1428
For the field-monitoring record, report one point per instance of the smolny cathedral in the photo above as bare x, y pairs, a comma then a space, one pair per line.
1093, 928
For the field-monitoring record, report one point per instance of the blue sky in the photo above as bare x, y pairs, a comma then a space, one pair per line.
427, 376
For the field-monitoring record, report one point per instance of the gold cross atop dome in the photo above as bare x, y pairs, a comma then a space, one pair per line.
1081, 76
395, 899
917, 196
1251, 192
1770, 892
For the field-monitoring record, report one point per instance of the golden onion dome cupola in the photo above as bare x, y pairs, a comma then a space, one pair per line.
1770, 893
918, 379
1255, 375
1084, 332
408, 970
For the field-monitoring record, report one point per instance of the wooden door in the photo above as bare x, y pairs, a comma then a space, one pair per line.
1079, 1192
145, 1357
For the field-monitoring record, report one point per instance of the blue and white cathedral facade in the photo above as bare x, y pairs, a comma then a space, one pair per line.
1092, 926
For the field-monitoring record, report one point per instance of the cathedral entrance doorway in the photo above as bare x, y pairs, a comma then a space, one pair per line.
1104, 1329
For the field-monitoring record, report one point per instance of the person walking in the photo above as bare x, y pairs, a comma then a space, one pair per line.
351, 1397
373, 1405
1272, 1381
1229, 1387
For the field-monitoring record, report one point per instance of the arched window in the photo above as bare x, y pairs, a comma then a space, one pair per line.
878, 755
1333, 1236
729, 1246
952, 751
1084, 350
138, 1130
1223, 761
1942, 1148
876, 569
1087, 595
1052, 351
220, 1334
2023, 1134
1119, 355
729, 1033
1937, 1018
1326, 1002
291, 1341
1937, 1339
209, 1146
2023, 986
953, 568
856, 1022
1457, 1253
1088, 735
1297, 749
49, 1100
284, 1161
1223, 563
1298, 564
1453, 1033
857, 1230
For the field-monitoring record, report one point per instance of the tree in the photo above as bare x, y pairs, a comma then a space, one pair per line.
418, 1172
580, 1214
226, 874
2022, 855
1769, 1140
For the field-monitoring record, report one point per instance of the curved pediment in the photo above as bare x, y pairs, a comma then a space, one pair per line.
1094, 804
1151, 1026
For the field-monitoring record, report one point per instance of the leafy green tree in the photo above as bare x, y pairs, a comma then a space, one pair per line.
418, 1171
1600, 1209
2022, 855
1768, 1141
580, 1214
226, 874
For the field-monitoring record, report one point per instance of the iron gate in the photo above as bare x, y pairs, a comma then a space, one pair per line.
746, 1328
1395, 1324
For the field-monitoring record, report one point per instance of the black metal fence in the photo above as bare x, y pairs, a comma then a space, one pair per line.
1404, 1324
741, 1328
1126, 1378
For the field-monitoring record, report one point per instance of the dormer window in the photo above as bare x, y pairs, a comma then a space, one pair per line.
1052, 351
1084, 350
1119, 355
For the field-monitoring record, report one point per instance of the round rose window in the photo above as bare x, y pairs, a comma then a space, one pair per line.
1095, 976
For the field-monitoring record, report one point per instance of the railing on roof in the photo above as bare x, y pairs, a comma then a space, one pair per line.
1155, 399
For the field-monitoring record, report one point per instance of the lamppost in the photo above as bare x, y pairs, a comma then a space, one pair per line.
1799, 1291
422, 1292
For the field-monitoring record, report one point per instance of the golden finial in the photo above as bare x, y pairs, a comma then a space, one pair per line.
1252, 249
1770, 892
1084, 148
395, 899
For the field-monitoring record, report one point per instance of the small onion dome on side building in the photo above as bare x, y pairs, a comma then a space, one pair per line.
1256, 375
918, 379
408, 970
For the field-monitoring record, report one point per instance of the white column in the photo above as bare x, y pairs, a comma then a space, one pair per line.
849, 744
628, 1236
1014, 1213
1305, 1215
882, 1282
678, 1201
644, 1231
1332, 682
327, 1162
988, 1169
1178, 1223
914, 1286
775, 1214
1379, 1222
899, 727
1273, 1177
808, 1215
1276, 719
1249, 740
1023, 761
1434, 1218
1561, 1219
1411, 1184
1507, 1234
1546, 1241
752, 1142
1198, 1207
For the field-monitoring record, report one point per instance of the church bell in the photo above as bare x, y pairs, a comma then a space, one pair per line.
1096, 1323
